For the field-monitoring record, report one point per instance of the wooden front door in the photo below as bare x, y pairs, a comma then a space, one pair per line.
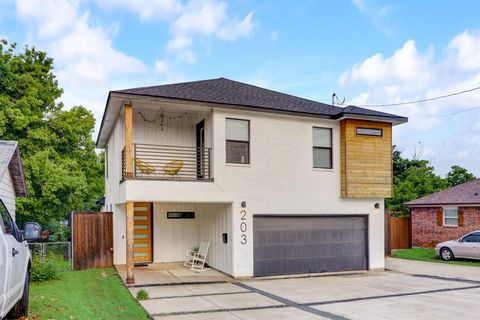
142, 232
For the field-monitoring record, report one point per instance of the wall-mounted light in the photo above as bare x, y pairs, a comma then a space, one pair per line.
225, 238
377, 205
243, 204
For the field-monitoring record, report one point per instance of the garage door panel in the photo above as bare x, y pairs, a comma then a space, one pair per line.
308, 265
288, 245
309, 250
307, 236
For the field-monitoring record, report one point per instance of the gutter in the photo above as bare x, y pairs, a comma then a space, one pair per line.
460, 204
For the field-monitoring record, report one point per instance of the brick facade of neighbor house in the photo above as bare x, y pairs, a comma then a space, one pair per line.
426, 231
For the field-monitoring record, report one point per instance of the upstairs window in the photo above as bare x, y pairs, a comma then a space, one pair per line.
322, 148
450, 217
238, 141
371, 132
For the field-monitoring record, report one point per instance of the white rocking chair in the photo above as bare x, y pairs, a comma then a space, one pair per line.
196, 260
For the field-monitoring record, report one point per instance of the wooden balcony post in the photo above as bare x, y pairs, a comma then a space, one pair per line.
128, 140
129, 221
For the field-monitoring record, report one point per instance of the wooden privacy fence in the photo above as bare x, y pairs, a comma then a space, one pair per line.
92, 240
398, 232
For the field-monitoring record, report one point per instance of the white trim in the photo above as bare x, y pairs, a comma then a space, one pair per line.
228, 164
324, 169
444, 216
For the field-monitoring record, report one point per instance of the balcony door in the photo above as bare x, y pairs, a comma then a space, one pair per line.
200, 152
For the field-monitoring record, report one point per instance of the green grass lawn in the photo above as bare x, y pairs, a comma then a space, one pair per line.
89, 294
423, 254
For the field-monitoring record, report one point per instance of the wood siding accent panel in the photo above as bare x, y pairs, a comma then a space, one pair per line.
92, 240
343, 159
365, 161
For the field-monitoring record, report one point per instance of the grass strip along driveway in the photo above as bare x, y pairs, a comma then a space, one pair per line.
90, 294
423, 254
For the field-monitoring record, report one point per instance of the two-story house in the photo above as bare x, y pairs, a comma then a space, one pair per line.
278, 184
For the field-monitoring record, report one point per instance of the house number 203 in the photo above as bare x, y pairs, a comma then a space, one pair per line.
243, 227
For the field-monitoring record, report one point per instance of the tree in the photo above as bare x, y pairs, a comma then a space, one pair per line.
412, 179
459, 175
62, 169
415, 178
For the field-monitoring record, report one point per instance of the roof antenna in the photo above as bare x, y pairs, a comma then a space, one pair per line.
335, 99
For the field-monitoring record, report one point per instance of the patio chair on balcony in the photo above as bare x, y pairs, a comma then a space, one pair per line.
144, 167
173, 167
196, 260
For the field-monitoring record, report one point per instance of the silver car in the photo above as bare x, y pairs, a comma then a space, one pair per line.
467, 246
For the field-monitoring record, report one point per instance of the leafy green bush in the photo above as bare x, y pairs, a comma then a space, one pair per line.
44, 270
58, 231
142, 295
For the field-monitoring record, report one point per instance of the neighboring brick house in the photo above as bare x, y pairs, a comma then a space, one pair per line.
445, 215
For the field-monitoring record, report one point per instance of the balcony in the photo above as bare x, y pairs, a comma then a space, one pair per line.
162, 162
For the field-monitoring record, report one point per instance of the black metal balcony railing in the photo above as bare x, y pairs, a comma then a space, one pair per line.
124, 164
169, 162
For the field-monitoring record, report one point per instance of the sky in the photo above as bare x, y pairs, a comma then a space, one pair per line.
366, 51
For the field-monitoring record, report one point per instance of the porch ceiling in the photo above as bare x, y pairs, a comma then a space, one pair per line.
115, 108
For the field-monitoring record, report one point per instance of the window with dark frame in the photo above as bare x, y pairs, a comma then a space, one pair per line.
322, 148
181, 215
237, 133
371, 132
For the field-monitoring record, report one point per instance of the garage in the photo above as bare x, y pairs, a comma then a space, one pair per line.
309, 244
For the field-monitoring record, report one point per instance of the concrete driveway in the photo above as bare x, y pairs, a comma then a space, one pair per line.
411, 289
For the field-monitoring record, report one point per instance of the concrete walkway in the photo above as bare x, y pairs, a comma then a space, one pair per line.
415, 290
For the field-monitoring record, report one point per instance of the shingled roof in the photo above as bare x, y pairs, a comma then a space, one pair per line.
11, 159
230, 92
467, 193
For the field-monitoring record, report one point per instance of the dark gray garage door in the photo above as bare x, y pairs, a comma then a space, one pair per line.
304, 244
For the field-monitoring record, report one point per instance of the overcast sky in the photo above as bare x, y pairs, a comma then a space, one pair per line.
370, 52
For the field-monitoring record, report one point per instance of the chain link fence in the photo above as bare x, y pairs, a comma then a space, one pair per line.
58, 252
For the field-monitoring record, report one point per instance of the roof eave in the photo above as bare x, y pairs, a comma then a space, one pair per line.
97, 143
395, 120
23, 192
440, 204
